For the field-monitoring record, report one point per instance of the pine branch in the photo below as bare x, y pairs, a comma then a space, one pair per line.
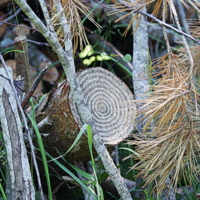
160, 22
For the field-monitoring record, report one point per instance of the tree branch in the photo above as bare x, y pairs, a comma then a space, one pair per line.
66, 58
160, 22
33, 87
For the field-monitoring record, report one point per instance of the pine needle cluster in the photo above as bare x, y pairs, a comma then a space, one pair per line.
73, 10
169, 145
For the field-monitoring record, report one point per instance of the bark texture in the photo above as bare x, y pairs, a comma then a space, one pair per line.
111, 103
109, 100
140, 79
19, 181
140, 60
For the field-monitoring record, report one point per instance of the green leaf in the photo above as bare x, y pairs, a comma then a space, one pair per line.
2, 192
131, 150
98, 187
127, 58
103, 177
89, 133
19, 51
43, 154
83, 173
77, 138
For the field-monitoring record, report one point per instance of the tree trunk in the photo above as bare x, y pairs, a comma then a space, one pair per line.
140, 79
19, 184
108, 98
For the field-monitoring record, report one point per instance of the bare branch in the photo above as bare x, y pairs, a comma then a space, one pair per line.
33, 87
161, 22
10, 17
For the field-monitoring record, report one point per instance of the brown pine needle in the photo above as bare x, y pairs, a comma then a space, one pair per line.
171, 147
72, 9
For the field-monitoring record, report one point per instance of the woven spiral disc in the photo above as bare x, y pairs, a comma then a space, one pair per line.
111, 103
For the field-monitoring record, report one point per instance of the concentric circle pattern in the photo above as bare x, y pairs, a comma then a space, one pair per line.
111, 103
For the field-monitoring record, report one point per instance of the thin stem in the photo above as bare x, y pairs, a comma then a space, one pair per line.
10, 17
164, 29
160, 22
33, 87
46, 15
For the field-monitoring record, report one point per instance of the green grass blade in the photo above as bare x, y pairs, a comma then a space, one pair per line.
73, 176
83, 173
89, 134
2, 192
98, 187
81, 132
19, 51
131, 150
43, 155
77, 138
